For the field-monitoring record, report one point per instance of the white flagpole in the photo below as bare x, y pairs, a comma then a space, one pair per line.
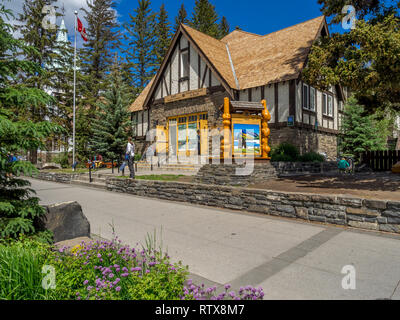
73, 133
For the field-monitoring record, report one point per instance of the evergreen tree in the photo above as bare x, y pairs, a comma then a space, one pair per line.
365, 59
163, 35
103, 38
43, 39
358, 131
140, 37
224, 28
205, 18
20, 211
181, 18
111, 128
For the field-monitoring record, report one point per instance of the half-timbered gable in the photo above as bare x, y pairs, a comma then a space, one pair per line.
199, 71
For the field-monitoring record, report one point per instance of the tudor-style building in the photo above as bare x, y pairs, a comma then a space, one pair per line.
199, 71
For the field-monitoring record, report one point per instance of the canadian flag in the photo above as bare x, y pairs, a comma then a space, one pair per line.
82, 30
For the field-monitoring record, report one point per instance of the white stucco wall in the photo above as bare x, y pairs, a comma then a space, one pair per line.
283, 102
194, 73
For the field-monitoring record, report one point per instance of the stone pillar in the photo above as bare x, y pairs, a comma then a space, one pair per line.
266, 117
226, 141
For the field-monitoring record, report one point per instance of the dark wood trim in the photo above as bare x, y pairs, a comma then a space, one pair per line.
276, 107
183, 79
199, 71
158, 101
292, 99
166, 87
162, 88
299, 125
305, 111
214, 89
184, 49
204, 77
262, 92
189, 65
179, 64
208, 62
170, 76
250, 94
209, 78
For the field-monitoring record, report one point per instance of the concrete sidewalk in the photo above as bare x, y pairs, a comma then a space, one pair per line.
289, 259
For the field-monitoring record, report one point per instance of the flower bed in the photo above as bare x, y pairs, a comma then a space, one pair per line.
109, 270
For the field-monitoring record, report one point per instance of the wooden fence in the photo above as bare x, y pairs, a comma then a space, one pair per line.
381, 160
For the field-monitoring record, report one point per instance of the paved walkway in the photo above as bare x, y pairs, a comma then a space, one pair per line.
289, 259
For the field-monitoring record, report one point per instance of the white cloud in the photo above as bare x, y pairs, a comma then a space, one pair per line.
69, 8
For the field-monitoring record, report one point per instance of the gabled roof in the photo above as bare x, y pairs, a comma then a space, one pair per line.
215, 51
137, 105
278, 56
243, 60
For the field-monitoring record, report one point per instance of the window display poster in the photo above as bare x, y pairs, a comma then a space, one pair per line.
182, 137
246, 138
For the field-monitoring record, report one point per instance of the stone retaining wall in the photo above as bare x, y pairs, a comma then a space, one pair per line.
376, 215
226, 174
56, 177
379, 215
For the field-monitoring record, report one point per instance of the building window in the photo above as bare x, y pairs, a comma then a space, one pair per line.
330, 106
324, 104
185, 64
306, 97
312, 98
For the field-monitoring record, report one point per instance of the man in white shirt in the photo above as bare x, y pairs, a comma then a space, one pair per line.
130, 152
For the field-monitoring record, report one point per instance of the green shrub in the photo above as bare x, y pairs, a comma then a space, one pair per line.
62, 159
285, 152
312, 157
21, 270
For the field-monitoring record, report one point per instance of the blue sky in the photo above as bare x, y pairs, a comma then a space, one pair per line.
257, 16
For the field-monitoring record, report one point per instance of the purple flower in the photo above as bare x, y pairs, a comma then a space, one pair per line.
111, 275
118, 289
227, 286
85, 282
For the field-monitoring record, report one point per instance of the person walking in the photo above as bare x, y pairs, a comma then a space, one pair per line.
130, 155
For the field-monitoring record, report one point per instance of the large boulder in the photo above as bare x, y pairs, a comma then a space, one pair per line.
66, 221
51, 166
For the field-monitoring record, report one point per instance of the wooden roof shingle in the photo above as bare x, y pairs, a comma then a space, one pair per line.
256, 60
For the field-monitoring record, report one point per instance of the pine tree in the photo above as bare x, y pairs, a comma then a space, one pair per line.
205, 18
224, 28
111, 128
20, 211
140, 37
163, 35
103, 38
33, 33
358, 131
181, 18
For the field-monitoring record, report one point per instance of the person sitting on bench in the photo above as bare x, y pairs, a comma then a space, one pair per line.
343, 165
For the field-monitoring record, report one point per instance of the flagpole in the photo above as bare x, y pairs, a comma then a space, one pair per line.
74, 116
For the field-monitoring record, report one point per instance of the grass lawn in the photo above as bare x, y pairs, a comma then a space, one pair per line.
162, 177
68, 170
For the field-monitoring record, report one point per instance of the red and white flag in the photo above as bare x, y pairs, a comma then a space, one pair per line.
82, 30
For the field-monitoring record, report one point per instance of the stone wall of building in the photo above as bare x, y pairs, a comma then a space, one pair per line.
306, 140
